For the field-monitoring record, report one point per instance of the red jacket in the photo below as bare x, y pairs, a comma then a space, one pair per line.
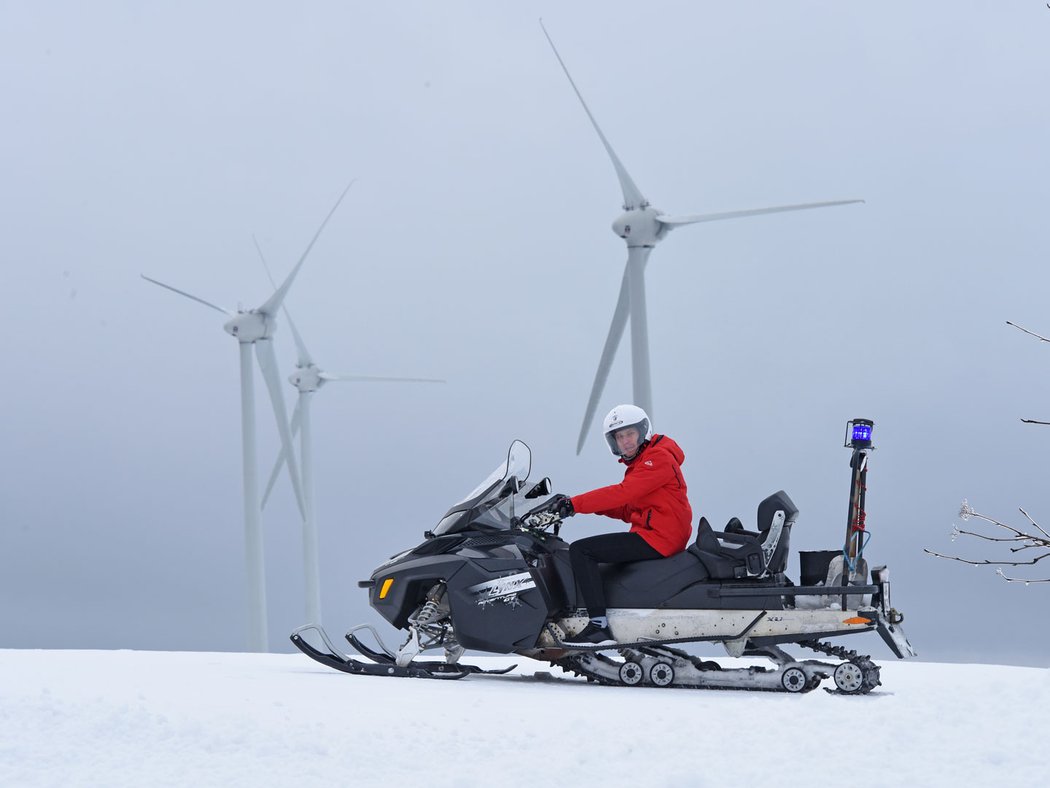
651, 497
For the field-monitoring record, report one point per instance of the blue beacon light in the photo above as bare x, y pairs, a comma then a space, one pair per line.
858, 433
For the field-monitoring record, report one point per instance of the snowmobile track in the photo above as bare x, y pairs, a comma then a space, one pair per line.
865, 678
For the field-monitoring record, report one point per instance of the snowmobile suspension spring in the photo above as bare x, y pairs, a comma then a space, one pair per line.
426, 613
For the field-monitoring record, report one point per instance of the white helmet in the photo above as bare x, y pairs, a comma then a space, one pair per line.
626, 416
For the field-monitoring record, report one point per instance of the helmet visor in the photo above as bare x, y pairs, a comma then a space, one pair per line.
642, 431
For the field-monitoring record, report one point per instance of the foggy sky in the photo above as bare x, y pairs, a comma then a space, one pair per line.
475, 246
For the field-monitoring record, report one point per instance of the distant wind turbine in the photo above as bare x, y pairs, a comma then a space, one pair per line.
642, 227
308, 378
256, 327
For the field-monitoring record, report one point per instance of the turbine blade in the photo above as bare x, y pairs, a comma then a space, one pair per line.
373, 379
183, 293
677, 221
274, 301
612, 342
281, 458
268, 365
266, 266
632, 195
1030, 333
300, 346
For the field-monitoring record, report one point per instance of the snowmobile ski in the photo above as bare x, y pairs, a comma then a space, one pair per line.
385, 664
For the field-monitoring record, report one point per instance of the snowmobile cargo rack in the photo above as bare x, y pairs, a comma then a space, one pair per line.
796, 591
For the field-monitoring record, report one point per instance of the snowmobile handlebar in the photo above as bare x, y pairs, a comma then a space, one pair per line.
540, 519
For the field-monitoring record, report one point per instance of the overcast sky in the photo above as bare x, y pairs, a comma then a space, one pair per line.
476, 247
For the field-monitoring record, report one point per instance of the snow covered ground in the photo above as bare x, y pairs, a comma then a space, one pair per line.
135, 718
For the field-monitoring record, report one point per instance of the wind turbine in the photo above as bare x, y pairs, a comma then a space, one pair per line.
642, 227
256, 327
308, 378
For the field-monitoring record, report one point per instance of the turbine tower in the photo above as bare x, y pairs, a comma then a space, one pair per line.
255, 327
642, 227
308, 378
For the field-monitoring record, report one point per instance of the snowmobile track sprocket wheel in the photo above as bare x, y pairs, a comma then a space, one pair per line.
849, 678
631, 673
868, 670
661, 674
794, 680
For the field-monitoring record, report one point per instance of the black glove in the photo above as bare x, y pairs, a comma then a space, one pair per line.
561, 505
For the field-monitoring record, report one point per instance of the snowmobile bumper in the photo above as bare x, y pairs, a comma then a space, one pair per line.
889, 620
895, 638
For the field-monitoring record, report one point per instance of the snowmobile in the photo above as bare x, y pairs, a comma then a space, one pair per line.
494, 576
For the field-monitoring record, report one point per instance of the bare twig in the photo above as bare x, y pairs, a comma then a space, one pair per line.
962, 532
985, 561
1028, 517
1037, 336
1026, 539
1024, 580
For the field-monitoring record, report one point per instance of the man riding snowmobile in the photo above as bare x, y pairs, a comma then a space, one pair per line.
652, 497
493, 575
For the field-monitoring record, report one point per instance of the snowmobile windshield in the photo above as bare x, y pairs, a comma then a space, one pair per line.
492, 502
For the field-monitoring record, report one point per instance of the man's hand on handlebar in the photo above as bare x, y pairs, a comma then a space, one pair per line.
561, 505
541, 520
550, 512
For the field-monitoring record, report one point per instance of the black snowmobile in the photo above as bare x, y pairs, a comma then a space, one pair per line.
494, 576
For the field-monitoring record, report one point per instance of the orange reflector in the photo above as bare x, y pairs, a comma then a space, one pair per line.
386, 587
854, 620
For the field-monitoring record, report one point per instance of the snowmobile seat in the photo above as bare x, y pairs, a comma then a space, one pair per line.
651, 583
737, 553
734, 526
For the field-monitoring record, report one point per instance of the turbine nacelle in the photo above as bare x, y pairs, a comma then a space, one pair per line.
640, 227
307, 378
250, 326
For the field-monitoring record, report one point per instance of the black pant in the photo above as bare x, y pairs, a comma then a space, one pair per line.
586, 554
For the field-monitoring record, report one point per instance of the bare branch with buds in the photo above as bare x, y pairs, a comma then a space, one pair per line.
1022, 540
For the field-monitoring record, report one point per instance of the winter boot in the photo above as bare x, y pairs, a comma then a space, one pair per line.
592, 635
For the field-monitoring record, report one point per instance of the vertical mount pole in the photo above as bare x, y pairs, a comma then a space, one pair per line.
255, 574
858, 437
311, 559
641, 377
